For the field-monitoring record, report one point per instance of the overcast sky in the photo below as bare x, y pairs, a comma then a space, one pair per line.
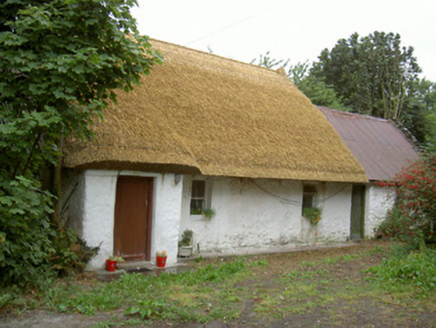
295, 30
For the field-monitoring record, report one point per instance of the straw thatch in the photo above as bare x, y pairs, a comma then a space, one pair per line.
205, 114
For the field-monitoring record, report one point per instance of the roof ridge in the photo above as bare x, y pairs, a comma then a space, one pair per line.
365, 116
277, 71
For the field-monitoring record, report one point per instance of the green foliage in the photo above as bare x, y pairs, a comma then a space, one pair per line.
209, 213
30, 249
413, 219
60, 62
27, 240
375, 75
213, 273
71, 253
320, 93
268, 62
311, 86
313, 214
291, 284
407, 269
422, 114
148, 309
372, 75
186, 239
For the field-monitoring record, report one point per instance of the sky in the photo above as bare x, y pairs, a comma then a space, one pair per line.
295, 30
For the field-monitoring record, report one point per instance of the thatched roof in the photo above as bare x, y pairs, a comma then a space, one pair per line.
206, 114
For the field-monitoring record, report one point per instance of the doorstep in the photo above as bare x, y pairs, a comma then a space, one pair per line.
143, 267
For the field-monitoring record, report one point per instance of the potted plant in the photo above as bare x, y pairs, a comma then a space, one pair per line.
313, 214
112, 262
161, 259
185, 244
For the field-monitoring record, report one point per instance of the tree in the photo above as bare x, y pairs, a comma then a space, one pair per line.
312, 87
374, 74
422, 113
60, 63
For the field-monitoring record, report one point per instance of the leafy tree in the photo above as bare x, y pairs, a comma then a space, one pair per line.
374, 74
268, 62
422, 113
312, 87
60, 62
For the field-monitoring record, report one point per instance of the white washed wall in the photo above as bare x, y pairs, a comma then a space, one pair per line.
379, 201
335, 200
97, 190
257, 215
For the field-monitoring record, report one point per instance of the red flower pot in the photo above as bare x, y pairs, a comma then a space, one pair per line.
111, 265
160, 261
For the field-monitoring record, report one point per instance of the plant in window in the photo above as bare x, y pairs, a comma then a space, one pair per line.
209, 213
313, 214
196, 211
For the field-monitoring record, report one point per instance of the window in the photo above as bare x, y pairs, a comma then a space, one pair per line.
309, 193
198, 197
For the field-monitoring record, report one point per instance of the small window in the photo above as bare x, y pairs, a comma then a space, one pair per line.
198, 197
309, 193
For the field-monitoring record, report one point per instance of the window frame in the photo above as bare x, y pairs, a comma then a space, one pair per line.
310, 193
205, 198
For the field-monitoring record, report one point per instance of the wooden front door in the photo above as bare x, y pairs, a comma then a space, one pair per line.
133, 213
357, 212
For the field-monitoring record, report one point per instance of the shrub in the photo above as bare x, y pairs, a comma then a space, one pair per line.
413, 217
26, 238
31, 248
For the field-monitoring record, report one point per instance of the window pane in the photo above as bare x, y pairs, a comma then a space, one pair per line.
309, 192
198, 197
198, 189
307, 201
197, 206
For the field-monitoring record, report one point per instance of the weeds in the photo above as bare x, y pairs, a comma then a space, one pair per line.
415, 270
148, 309
230, 289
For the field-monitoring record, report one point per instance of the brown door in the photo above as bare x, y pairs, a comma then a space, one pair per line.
357, 212
133, 212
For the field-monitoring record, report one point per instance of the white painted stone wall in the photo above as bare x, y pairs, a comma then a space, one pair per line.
379, 201
252, 215
259, 215
94, 207
335, 201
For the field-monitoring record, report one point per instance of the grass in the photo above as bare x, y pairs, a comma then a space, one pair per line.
334, 287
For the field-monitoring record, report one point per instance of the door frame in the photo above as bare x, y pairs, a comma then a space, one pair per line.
149, 214
356, 191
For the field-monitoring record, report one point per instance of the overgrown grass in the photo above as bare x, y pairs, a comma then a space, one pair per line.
406, 270
187, 296
225, 290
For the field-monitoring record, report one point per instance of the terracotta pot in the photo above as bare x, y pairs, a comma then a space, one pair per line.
160, 261
111, 265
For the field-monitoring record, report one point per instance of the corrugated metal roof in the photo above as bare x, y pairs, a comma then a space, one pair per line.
378, 145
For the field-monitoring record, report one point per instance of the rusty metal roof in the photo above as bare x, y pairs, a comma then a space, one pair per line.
381, 148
